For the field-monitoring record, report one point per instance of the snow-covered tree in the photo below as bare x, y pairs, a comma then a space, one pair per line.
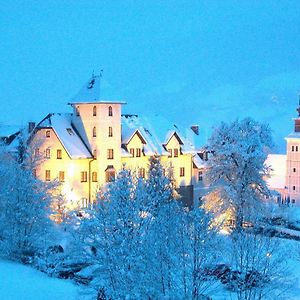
237, 167
25, 226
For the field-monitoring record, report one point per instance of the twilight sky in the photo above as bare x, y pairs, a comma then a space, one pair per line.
189, 61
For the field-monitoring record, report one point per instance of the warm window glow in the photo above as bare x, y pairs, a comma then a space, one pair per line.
175, 152
110, 111
61, 176
47, 175
94, 177
47, 153
94, 111
181, 172
110, 153
58, 154
110, 131
83, 176
94, 132
131, 150
48, 133
170, 152
138, 152
110, 175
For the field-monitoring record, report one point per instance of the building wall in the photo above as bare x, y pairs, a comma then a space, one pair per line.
72, 187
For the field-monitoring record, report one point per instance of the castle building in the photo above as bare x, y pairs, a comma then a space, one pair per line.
85, 149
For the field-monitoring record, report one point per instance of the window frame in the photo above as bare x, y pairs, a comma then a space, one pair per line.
94, 111
47, 175
83, 176
61, 176
110, 153
94, 176
110, 111
138, 152
58, 154
48, 133
110, 131
181, 172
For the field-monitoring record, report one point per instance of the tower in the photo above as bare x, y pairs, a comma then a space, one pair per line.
98, 123
293, 163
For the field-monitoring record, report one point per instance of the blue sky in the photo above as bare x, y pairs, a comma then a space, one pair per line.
190, 61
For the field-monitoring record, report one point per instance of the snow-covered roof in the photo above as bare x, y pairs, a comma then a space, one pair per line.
295, 135
156, 138
277, 175
8, 130
61, 124
90, 93
199, 162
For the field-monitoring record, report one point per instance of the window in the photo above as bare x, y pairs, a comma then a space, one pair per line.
110, 131
77, 111
170, 152
131, 150
94, 177
58, 154
94, 132
181, 171
47, 175
70, 131
296, 148
110, 175
110, 111
47, 153
95, 154
94, 111
110, 153
47, 133
142, 172
294, 188
138, 152
293, 148
200, 176
83, 176
37, 152
61, 176
175, 152
294, 170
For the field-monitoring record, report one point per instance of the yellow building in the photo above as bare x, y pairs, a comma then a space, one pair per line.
85, 149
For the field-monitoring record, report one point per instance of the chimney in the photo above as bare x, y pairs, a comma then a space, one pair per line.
31, 126
195, 129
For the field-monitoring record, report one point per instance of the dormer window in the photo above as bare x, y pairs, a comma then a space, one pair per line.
110, 111
94, 132
94, 111
47, 133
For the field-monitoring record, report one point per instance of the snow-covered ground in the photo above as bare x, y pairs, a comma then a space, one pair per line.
18, 282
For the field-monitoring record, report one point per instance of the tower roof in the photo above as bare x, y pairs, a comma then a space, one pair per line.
90, 92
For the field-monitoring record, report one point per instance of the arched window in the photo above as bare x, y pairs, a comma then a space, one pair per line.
94, 111
94, 132
110, 112
110, 131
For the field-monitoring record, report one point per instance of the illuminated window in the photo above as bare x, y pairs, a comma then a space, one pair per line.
110, 131
175, 152
47, 153
47, 175
181, 171
110, 174
110, 111
131, 150
94, 177
77, 111
94, 111
58, 154
95, 154
37, 152
200, 176
110, 153
170, 152
61, 176
83, 176
47, 133
138, 152
142, 172
94, 132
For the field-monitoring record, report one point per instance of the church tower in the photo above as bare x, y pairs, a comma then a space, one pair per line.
98, 123
293, 163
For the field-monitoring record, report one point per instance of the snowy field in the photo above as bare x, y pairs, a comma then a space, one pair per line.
18, 282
